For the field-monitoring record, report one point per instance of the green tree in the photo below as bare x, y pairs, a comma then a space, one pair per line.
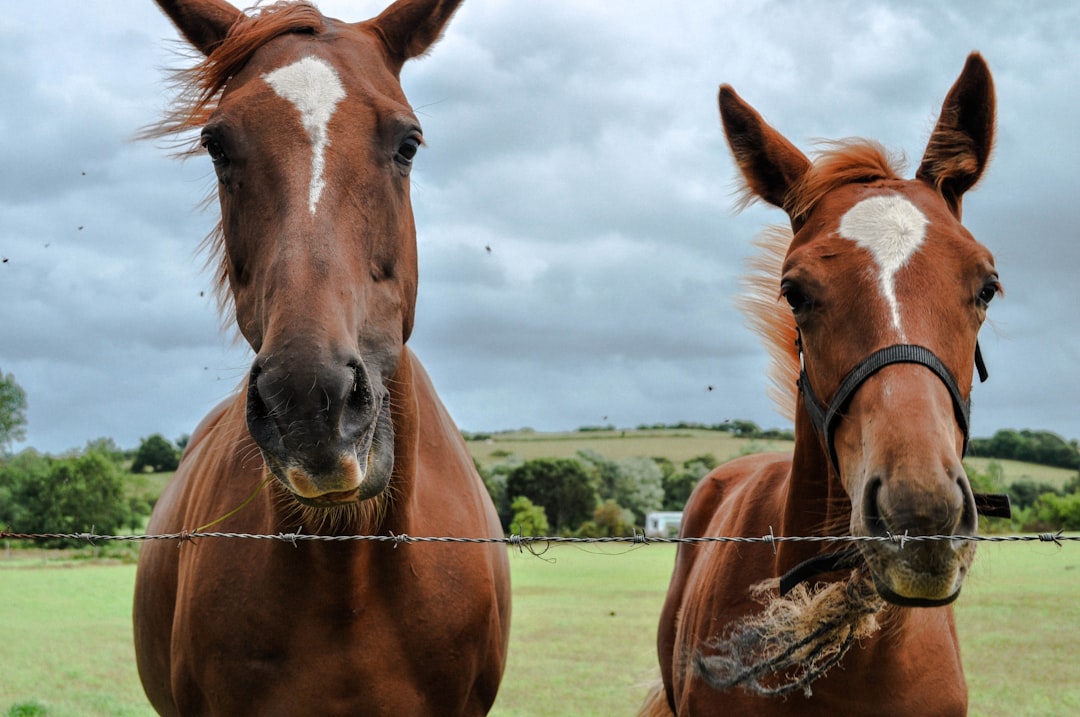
609, 520
561, 486
1055, 512
744, 429
1026, 492
68, 495
528, 518
12, 412
156, 454
106, 447
1072, 485
27, 467
679, 485
636, 484
639, 487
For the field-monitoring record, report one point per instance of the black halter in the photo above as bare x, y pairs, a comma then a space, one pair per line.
825, 418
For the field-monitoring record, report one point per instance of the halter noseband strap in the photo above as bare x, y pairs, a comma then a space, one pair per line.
825, 417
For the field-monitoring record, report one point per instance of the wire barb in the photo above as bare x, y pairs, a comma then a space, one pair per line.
1054, 538
770, 539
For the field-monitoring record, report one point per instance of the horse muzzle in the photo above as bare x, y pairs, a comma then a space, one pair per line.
919, 574
328, 437
941, 512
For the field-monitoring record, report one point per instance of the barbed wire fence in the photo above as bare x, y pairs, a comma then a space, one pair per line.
527, 542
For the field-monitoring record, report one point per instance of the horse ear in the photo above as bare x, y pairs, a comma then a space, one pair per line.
770, 163
409, 27
960, 144
203, 22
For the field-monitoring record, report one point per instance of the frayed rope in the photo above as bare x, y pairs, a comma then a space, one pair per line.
795, 640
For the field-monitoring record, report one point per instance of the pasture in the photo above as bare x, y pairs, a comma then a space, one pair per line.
675, 444
582, 641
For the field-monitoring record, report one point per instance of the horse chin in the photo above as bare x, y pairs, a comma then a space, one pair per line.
920, 575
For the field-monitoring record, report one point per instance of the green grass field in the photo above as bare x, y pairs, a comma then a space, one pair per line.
677, 445
1015, 471
582, 641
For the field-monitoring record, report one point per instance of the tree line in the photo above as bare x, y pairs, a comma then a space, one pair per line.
1037, 506
589, 495
77, 493
1042, 447
81, 491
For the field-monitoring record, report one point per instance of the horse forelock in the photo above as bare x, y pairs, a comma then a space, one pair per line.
198, 88
838, 163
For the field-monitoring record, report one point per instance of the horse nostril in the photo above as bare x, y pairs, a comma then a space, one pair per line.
259, 416
359, 397
875, 522
968, 523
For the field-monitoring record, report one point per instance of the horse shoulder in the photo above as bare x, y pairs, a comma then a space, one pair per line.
715, 509
157, 580
740, 483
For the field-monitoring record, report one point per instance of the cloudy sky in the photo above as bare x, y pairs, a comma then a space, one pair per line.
580, 142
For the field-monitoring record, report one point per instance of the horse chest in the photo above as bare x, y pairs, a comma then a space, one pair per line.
328, 640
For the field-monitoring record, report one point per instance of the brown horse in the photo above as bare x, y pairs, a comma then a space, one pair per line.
312, 141
883, 294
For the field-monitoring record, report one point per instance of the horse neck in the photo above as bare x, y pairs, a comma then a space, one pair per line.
404, 404
815, 501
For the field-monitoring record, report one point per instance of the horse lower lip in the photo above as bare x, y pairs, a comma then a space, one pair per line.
328, 500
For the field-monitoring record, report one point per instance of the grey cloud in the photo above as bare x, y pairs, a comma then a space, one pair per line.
581, 145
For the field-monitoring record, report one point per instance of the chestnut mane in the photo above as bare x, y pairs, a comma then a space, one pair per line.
197, 91
838, 163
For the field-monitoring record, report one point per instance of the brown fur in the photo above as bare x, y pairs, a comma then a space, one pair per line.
199, 86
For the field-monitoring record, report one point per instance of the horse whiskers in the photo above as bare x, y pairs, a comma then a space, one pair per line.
363, 518
795, 640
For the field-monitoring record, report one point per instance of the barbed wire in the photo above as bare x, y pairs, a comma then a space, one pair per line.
525, 541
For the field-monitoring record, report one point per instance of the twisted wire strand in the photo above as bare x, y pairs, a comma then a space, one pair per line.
523, 541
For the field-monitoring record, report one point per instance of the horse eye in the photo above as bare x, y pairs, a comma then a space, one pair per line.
214, 149
988, 292
407, 150
797, 300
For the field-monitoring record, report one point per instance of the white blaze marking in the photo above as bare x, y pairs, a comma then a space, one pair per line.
314, 88
892, 229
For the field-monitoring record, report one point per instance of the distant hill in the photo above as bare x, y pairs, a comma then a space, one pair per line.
681, 444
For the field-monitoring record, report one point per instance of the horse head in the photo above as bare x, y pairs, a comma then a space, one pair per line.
312, 141
887, 292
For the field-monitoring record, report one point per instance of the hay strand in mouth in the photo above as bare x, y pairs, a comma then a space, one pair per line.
794, 640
